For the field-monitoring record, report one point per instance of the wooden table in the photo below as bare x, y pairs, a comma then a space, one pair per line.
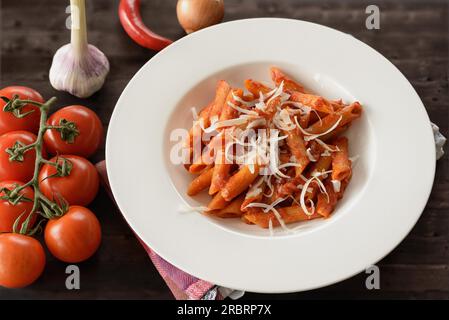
413, 35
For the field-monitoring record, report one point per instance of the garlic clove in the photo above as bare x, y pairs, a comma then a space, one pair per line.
80, 76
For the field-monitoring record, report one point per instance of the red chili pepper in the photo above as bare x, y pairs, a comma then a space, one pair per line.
131, 20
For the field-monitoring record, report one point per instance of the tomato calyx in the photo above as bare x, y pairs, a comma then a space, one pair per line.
17, 151
62, 165
68, 130
24, 228
12, 196
15, 106
53, 209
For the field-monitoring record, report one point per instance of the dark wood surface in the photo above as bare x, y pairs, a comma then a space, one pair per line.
413, 35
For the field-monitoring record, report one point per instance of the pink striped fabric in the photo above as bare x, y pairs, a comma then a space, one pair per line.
183, 285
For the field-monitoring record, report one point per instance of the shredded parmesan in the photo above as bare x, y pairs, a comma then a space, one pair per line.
279, 91
187, 209
302, 201
300, 187
194, 113
242, 110
354, 158
326, 146
261, 104
274, 156
310, 155
310, 136
238, 99
255, 189
282, 120
300, 106
318, 115
317, 174
336, 184
270, 207
289, 164
303, 194
257, 123
267, 180
322, 188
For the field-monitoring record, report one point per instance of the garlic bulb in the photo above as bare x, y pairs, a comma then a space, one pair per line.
78, 67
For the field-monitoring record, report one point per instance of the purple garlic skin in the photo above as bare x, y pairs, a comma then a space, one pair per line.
79, 74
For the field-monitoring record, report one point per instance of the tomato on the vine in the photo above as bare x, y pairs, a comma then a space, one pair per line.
78, 187
16, 165
75, 236
24, 118
20, 205
22, 260
80, 131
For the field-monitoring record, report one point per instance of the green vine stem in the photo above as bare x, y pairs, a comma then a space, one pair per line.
41, 204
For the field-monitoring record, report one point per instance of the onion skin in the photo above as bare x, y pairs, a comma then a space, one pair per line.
131, 20
194, 15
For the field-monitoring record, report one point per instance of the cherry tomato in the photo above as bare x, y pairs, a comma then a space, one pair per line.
22, 260
30, 122
9, 212
78, 188
75, 236
85, 142
20, 169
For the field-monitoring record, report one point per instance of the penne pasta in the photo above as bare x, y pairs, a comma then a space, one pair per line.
335, 133
240, 181
201, 182
220, 173
255, 87
296, 145
290, 85
232, 210
288, 215
341, 165
272, 156
253, 196
350, 113
326, 202
217, 202
221, 94
317, 103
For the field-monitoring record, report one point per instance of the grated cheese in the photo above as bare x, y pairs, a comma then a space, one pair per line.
310, 155
242, 110
336, 184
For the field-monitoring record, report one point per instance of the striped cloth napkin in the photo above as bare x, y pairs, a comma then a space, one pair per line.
183, 285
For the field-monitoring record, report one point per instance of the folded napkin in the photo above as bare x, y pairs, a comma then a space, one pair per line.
183, 285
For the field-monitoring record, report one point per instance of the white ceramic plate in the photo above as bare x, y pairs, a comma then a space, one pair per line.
391, 180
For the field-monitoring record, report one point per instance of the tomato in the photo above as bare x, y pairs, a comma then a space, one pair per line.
78, 188
17, 170
10, 212
75, 236
30, 122
22, 260
86, 141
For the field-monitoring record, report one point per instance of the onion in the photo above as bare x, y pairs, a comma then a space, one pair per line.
194, 15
